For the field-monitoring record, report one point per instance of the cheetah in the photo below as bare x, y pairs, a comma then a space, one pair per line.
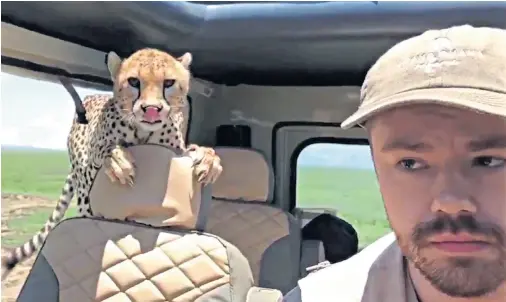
149, 90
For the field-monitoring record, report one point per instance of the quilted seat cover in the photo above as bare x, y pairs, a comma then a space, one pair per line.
235, 222
91, 259
242, 212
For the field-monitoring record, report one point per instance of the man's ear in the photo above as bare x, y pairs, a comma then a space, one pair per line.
113, 64
186, 60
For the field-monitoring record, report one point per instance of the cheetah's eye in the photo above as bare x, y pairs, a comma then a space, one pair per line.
168, 83
134, 82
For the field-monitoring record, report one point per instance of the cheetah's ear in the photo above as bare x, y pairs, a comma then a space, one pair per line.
113, 64
186, 60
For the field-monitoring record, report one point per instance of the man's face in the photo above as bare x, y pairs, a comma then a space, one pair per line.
442, 175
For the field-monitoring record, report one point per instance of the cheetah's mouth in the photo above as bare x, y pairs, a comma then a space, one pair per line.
151, 122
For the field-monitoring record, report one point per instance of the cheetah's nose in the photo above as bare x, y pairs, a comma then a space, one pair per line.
151, 113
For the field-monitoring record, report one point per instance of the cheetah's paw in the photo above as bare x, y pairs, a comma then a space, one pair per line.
120, 166
207, 165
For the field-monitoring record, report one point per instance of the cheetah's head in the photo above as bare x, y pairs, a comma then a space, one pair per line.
150, 86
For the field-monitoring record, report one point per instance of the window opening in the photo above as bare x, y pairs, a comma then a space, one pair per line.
341, 177
36, 120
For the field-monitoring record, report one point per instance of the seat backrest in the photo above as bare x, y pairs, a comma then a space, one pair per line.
241, 213
165, 191
160, 259
95, 260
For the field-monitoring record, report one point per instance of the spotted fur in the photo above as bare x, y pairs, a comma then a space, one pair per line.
147, 78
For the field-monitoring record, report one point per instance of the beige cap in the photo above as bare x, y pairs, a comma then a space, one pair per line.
461, 66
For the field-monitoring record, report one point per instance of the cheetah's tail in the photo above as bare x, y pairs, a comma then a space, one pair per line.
10, 258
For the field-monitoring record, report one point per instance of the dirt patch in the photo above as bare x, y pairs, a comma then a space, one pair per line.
15, 206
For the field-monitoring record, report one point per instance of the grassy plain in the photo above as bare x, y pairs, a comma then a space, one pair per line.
40, 174
354, 193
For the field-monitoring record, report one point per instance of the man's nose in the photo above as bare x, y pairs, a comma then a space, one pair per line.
452, 194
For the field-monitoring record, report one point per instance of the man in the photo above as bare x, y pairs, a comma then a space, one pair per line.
434, 107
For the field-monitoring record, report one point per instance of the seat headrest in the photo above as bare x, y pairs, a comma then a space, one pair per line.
165, 192
246, 176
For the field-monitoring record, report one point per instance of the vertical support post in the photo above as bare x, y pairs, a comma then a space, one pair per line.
80, 110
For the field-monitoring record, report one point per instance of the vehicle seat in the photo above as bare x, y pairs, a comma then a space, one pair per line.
241, 213
164, 258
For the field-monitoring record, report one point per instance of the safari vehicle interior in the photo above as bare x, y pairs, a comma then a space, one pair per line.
269, 79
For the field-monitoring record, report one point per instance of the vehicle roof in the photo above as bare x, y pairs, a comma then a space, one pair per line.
270, 43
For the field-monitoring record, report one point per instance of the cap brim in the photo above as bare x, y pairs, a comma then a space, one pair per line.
483, 101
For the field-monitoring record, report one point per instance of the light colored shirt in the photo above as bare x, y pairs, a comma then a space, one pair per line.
376, 274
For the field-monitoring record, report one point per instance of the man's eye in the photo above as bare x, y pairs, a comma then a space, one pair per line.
410, 164
489, 161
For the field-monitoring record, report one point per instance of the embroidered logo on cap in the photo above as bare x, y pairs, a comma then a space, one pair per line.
443, 54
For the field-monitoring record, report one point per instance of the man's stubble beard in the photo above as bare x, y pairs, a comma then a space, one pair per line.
464, 277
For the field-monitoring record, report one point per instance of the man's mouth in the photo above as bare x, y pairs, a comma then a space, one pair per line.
459, 243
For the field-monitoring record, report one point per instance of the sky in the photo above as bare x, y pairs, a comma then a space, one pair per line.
36, 113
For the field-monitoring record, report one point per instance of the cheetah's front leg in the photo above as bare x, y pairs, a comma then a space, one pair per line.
207, 164
120, 166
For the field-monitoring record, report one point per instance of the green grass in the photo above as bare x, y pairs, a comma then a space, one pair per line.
354, 193
32, 172
40, 173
